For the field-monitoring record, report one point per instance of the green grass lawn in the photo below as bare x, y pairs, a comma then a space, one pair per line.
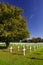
17, 57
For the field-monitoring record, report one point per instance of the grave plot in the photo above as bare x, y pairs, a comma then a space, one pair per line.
26, 55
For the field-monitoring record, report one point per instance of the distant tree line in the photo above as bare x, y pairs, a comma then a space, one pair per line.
34, 40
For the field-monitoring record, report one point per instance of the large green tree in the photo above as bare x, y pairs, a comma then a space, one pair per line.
13, 26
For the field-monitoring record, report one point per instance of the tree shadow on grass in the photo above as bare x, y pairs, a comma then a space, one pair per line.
33, 58
36, 58
2, 47
17, 54
38, 53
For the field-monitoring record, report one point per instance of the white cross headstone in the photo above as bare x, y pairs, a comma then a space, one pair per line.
13, 44
37, 46
18, 48
27, 45
20, 41
34, 48
23, 46
30, 48
24, 51
11, 49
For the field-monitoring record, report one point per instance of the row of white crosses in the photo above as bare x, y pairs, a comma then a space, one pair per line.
24, 49
30, 48
18, 48
11, 49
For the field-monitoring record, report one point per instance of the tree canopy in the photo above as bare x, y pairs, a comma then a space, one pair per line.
13, 26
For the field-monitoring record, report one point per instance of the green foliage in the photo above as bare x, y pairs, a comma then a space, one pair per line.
12, 24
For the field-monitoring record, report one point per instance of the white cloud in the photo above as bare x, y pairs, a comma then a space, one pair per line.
31, 17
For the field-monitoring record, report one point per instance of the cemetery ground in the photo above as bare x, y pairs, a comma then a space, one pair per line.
35, 57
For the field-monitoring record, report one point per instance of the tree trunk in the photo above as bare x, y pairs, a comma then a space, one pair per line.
7, 44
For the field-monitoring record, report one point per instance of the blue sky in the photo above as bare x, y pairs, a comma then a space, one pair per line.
33, 10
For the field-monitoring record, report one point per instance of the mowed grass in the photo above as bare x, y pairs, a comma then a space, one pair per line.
17, 57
